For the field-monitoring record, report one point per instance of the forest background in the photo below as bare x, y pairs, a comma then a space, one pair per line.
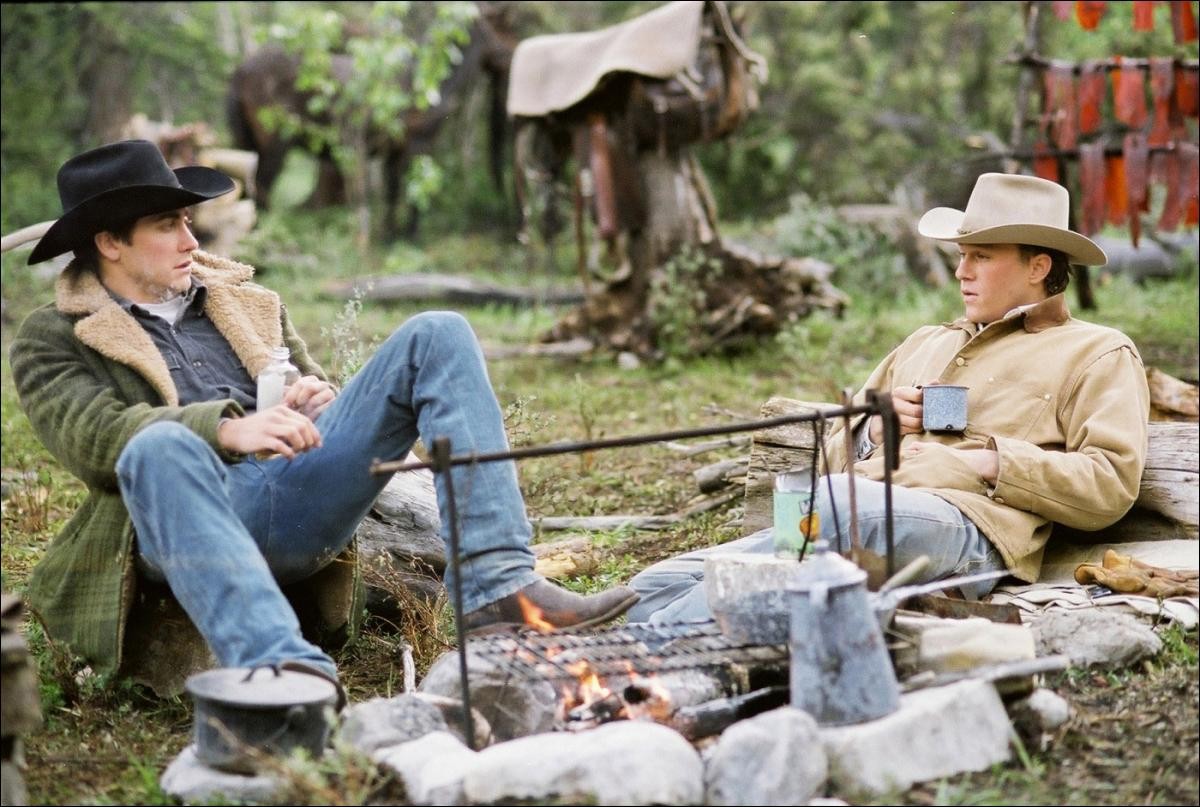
867, 102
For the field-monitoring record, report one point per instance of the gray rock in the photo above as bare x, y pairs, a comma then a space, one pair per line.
774, 758
432, 768
937, 732
748, 595
193, 782
1148, 259
512, 706
1038, 714
625, 762
1099, 637
381, 722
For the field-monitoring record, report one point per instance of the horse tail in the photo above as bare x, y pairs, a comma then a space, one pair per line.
235, 116
498, 126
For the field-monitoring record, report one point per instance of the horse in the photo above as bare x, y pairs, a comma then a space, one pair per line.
267, 79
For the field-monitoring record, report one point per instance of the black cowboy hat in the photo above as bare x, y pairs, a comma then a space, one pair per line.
120, 182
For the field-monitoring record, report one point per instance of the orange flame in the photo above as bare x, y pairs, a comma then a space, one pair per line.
533, 615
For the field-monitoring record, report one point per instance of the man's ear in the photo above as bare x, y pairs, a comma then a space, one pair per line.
107, 246
1039, 268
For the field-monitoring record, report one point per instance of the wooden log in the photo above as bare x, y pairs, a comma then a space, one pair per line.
691, 450
698, 505
1172, 398
1168, 504
26, 235
772, 451
430, 286
718, 475
570, 557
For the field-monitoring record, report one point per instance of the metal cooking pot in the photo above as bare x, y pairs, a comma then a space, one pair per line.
244, 713
841, 672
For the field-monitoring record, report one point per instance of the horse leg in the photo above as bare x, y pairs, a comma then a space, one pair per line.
395, 164
270, 163
331, 185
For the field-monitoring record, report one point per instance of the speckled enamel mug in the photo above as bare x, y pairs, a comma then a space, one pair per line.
944, 408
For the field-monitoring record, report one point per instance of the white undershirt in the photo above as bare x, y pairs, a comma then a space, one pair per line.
171, 310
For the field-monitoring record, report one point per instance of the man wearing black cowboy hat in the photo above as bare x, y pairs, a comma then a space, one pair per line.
140, 379
1055, 423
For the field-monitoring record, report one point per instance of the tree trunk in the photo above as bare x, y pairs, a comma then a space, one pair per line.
104, 79
677, 288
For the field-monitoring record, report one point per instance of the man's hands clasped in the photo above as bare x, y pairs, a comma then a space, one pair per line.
910, 409
286, 429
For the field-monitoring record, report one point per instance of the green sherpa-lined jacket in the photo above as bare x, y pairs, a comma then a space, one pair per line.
89, 378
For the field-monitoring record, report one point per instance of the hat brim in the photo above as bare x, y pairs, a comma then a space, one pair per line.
112, 207
943, 223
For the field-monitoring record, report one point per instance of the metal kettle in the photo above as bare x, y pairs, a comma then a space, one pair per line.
841, 672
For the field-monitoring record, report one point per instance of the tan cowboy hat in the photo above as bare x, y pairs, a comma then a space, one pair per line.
1013, 209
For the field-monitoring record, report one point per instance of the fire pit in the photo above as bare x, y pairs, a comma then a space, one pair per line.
688, 675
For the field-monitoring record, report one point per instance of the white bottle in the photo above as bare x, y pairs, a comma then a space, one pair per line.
276, 377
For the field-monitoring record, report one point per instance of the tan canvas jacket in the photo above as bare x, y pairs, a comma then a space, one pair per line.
1065, 404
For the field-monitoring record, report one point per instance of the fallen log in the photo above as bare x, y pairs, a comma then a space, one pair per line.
570, 557
698, 505
25, 236
721, 474
424, 286
1172, 398
691, 450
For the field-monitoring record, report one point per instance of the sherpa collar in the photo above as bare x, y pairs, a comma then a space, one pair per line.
246, 314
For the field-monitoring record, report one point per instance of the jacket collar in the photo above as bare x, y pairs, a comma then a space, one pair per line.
1049, 313
247, 315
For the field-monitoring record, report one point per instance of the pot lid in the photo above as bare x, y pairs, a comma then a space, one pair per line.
264, 687
827, 569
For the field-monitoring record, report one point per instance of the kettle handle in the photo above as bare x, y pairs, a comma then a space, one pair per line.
273, 667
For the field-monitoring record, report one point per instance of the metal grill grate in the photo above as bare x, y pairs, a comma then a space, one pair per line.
619, 650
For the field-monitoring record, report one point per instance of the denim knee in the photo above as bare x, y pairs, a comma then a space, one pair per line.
439, 325
167, 440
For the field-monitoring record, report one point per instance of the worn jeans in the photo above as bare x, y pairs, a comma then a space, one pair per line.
922, 524
225, 536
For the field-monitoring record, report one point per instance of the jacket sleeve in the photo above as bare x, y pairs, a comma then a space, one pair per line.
1094, 480
299, 350
835, 440
78, 413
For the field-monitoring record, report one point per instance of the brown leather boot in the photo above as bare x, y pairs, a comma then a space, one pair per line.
557, 607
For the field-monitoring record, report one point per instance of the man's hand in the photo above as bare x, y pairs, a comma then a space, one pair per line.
984, 461
310, 396
909, 405
279, 429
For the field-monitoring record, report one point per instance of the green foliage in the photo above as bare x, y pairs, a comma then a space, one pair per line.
677, 301
863, 258
359, 103
66, 68
350, 348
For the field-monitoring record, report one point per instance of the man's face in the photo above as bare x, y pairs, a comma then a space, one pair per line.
994, 279
156, 264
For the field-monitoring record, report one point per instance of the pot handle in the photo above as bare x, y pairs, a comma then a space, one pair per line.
272, 667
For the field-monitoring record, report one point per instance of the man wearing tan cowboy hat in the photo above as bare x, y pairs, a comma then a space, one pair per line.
1055, 425
140, 379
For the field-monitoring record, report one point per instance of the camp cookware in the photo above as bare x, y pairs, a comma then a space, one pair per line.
242, 714
840, 669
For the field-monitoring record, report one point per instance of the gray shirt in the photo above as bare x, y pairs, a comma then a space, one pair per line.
202, 363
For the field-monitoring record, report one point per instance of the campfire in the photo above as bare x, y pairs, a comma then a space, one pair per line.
688, 676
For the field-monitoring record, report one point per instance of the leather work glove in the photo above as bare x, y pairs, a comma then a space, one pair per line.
1129, 575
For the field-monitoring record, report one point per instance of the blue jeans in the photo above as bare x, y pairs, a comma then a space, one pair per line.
225, 536
922, 524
